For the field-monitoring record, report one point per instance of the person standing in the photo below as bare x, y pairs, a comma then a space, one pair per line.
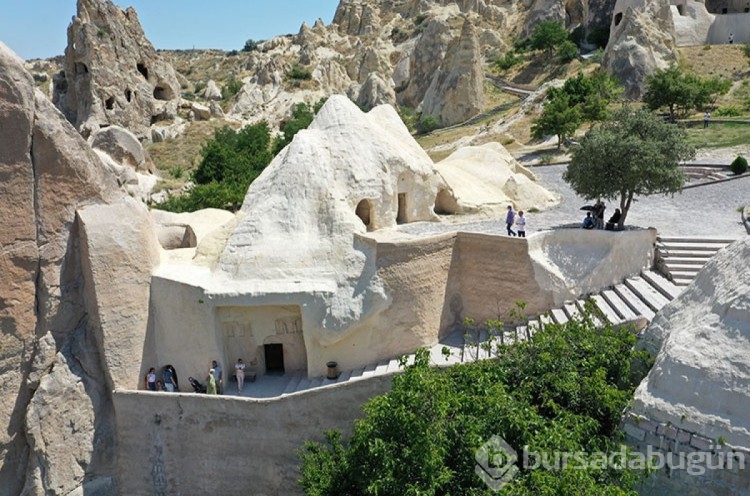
731, 38
218, 376
706, 118
169, 381
151, 379
510, 218
211, 389
239, 372
521, 224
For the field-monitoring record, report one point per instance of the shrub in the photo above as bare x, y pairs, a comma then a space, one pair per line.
746, 49
250, 45
427, 124
728, 111
510, 59
567, 51
299, 73
230, 89
739, 165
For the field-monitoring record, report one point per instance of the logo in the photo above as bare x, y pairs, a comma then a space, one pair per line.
496, 463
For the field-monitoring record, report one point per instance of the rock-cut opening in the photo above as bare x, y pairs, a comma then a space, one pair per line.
445, 203
109, 103
727, 6
618, 18
162, 93
363, 211
143, 70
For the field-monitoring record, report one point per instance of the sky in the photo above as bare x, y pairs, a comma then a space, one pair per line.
38, 28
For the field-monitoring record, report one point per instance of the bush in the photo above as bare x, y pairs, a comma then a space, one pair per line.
729, 111
427, 124
567, 51
746, 49
250, 45
510, 59
299, 73
739, 165
230, 89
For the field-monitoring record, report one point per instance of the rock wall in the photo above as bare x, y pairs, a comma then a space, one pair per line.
56, 411
196, 444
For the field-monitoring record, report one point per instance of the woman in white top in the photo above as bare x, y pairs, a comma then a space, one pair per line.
239, 371
521, 224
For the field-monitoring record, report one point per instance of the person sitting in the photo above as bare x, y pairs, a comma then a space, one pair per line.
614, 220
588, 222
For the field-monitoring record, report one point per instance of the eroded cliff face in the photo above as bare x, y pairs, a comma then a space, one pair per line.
112, 74
56, 388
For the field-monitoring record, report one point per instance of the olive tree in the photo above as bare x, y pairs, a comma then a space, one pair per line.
632, 153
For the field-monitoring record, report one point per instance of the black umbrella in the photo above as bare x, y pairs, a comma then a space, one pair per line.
587, 207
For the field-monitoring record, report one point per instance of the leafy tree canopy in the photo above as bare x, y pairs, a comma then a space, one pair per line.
681, 92
633, 153
558, 117
564, 390
302, 117
548, 35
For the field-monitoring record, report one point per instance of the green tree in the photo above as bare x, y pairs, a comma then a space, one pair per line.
681, 92
567, 51
548, 35
558, 117
302, 117
592, 94
631, 154
564, 390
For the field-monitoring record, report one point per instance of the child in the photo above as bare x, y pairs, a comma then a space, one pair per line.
521, 224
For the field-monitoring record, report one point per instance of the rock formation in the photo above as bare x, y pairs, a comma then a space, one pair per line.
57, 374
641, 40
457, 90
697, 387
487, 179
112, 74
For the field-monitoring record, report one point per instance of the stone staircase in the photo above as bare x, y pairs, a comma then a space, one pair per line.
636, 297
680, 258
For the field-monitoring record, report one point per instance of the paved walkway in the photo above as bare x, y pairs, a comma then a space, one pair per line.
709, 210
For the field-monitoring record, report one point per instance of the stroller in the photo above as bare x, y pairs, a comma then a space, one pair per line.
197, 386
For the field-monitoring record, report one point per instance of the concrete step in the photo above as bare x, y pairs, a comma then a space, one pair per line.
682, 282
344, 376
559, 315
546, 319
381, 368
571, 309
680, 267
294, 381
647, 293
662, 284
581, 304
357, 374
369, 370
618, 304
607, 311
316, 382
393, 365
303, 384
679, 253
704, 239
683, 274
637, 305
532, 326
686, 261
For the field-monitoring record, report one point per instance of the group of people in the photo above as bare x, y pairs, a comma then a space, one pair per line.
216, 377
168, 382
595, 218
517, 220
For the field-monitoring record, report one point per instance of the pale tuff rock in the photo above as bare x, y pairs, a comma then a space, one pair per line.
457, 90
425, 60
641, 40
542, 10
699, 380
487, 179
123, 147
188, 229
48, 173
356, 18
212, 91
112, 73
375, 91
328, 170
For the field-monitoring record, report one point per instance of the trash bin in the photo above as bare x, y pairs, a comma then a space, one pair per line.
333, 372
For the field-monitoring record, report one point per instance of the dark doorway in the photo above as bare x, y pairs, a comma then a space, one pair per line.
363, 212
274, 358
401, 213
